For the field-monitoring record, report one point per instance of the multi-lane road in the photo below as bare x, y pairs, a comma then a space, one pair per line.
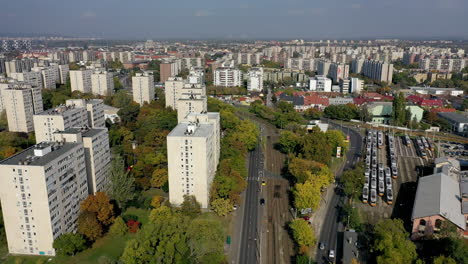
249, 249
331, 224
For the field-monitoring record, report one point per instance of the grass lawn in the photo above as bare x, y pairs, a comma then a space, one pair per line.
110, 247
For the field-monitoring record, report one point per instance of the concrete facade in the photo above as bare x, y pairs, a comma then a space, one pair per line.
81, 80
143, 88
21, 103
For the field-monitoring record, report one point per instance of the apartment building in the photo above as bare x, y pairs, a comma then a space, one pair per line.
94, 109
169, 69
227, 77
81, 80
320, 83
58, 119
172, 89
196, 75
97, 154
255, 79
23, 65
356, 65
345, 86
49, 76
190, 103
356, 85
102, 83
21, 102
189, 63
64, 70
323, 67
338, 71
443, 64
41, 189
33, 78
143, 87
191, 161
377, 70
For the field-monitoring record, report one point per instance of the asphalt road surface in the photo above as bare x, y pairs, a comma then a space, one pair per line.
329, 232
249, 250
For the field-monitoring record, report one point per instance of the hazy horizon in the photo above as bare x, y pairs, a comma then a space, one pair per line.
224, 20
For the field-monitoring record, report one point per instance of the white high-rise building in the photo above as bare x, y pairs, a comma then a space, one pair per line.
143, 87
33, 78
58, 119
63, 73
377, 70
227, 77
197, 75
21, 102
172, 89
102, 83
41, 189
320, 84
81, 80
338, 71
50, 76
356, 85
97, 154
95, 109
255, 79
191, 150
190, 103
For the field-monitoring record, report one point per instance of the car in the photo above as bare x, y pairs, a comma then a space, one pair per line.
263, 182
234, 207
331, 254
262, 201
321, 246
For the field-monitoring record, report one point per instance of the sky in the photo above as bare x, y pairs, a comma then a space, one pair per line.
236, 19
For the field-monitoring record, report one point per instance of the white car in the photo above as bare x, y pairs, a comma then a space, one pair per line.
331, 254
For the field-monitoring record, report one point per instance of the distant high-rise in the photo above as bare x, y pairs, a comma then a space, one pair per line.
320, 84
21, 103
255, 79
338, 71
356, 85
377, 70
227, 77
143, 87
167, 70
172, 89
102, 83
33, 78
94, 108
41, 189
81, 80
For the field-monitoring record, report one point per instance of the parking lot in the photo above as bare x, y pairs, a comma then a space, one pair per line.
409, 164
452, 149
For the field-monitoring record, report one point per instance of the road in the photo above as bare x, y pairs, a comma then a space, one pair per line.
249, 250
331, 226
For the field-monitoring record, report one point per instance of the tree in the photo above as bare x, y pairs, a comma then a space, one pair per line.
118, 228
190, 206
129, 112
399, 115
289, 142
221, 206
122, 183
69, 244
206, 240
352, 182
156, 201
306, 195
89, 226
443, 260
161, 213
392, 244
117, 84
159, 177
99, 204
313, 113
351, 217
302, 232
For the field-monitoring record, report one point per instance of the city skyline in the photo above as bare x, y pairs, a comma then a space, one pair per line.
210, 19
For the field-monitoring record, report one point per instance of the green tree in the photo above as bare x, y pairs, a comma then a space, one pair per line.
190, 206
117, 84
221, 206
69, 244
313, 113
289, 142
118, 228
302, 232
129, 113
399, 114
159, 177
206, 240
392, 244
351, 217
443, 260
307, 195
352, 182
122, 183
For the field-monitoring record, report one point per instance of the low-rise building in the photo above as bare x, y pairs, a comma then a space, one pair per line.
458, 122
320, 84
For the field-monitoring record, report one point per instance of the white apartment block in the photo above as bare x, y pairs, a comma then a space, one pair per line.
63, 73
21, 102
32, 78
338, 71
213, 118
377, 70
320, 83
143, 87
356, 85
191, 158
102, 83
255, 79
58, 119
41, 189
189, 63
197, 75
81, 80
227, 77
172, 90
443, 64
300, 64
190, 103
50, 76
356, 65
94, 108
97, 154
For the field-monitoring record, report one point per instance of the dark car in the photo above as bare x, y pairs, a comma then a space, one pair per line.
262, 201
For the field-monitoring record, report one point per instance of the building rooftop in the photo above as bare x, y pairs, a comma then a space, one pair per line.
28, 156
58, 110
439, 194
85, 131
350, 250
191, 129
455, 117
